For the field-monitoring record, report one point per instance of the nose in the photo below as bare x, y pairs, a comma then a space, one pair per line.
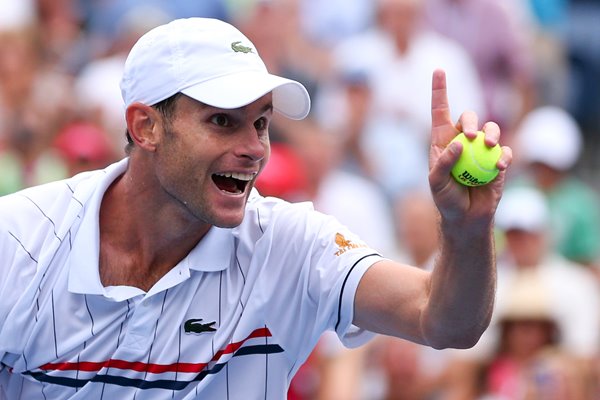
253, 145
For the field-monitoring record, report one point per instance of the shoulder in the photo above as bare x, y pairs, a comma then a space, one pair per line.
575, 200
438, 50
430, 39
574, 189
561, 270
364, 51
267, 213
43, 209
24, 206
271, 219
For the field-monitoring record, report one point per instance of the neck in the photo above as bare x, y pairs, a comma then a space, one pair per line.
140, 244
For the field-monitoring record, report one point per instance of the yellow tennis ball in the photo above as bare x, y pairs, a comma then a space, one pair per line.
477, 163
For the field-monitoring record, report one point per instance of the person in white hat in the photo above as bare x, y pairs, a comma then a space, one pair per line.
524, 218
166, 275
549, 142
529, 357
528, 265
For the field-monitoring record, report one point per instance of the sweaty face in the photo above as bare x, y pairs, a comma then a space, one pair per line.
208, 158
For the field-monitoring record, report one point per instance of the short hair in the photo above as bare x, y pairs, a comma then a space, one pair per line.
166, 107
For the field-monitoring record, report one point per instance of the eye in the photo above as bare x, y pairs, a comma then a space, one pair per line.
221, 120
261, 124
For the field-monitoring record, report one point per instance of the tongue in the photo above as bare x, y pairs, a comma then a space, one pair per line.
226, 184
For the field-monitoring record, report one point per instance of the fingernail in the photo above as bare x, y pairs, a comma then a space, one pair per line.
456, 147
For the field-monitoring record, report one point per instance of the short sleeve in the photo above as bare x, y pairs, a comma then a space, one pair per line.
349, 258
302, 269
349, 334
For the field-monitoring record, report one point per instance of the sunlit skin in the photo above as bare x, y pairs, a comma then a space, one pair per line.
203, 141
452, 305
168, 199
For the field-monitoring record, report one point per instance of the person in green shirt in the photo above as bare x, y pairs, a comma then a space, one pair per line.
549, 142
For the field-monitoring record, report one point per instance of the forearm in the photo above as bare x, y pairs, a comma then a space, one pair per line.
462, 287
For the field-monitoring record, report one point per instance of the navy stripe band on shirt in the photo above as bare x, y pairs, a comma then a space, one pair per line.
339, 317
153, 384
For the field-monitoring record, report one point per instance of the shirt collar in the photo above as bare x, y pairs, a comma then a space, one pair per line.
83, 264
212, 253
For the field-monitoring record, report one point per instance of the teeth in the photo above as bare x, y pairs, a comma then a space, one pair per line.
238, 175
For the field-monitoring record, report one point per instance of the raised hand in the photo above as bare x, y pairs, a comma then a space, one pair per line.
455, 201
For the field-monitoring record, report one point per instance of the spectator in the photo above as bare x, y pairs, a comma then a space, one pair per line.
566, 292
285, 174
275, 28
396, 58
330, 21
417, 229
28, 119
370, 143
551, 56
84, 147
581, 38
15, 15
399, 54
501, 51
400, 371
549, 143
96, 85
355, 201
524, 216
529, 361
26, 161
102, 18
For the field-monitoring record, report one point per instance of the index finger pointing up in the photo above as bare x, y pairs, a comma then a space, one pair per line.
442, 128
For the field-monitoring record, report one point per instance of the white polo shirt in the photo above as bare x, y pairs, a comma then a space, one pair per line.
235, 319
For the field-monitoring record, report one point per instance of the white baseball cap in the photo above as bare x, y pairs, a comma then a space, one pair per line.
524, 208
551, 136
210, 61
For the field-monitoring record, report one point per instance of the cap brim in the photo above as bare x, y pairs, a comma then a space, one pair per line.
522, 208
290, 98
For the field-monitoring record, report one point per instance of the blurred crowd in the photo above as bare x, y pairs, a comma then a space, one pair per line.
533, 66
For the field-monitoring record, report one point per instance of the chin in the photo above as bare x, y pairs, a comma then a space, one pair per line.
229, 221
228, 225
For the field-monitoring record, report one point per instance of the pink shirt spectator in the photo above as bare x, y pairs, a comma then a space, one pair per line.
498, 38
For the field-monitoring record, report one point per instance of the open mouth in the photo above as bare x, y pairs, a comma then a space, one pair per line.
232, 182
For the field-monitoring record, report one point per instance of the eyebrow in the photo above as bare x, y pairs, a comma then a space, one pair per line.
267, 107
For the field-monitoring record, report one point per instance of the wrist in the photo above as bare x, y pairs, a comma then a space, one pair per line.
465, 228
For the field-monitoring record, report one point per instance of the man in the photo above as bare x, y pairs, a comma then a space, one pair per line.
167, 276
550, 166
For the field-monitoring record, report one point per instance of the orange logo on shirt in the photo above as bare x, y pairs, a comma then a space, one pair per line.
345, 244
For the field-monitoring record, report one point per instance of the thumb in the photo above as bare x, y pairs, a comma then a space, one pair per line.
439, 175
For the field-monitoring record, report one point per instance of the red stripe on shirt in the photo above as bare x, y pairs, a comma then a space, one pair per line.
90, 366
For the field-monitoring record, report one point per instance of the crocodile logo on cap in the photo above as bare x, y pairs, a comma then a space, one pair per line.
239, 48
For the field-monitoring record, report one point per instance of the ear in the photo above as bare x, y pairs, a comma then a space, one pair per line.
142, 123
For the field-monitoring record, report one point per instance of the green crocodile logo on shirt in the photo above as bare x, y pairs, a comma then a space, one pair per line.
239, 48
195, 326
